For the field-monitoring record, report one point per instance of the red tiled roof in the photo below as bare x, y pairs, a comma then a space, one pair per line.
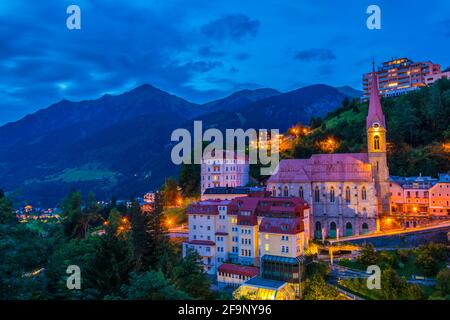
281, 225
202, 242
263, 206
204, 207
248, 271
324, 168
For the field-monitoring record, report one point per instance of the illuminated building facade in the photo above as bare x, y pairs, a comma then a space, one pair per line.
420, 200
229, 170
247, 231
400, 76
208, 232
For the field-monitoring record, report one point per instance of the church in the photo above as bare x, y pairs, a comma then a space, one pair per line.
347, 192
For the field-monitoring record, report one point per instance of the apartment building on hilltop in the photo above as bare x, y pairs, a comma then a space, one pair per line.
400, 76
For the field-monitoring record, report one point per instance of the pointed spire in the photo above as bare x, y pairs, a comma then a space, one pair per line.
375, 112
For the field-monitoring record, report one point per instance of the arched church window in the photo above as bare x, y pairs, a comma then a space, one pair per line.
318, 231
347, 194
274, 191
332, 194
316, 194
348, 229
376, 142
300, 192
286, 191
333, 230
364, 193
365, 228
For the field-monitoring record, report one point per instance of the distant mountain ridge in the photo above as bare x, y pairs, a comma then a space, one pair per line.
240, 99
120, 144
350, 92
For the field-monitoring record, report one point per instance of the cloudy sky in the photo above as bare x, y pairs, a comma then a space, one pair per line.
203, 49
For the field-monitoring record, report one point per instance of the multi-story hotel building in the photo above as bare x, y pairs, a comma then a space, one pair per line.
400, 76
208, 232
248, 231
230, 170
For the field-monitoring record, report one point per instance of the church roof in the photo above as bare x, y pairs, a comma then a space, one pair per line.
325, 168
375, 113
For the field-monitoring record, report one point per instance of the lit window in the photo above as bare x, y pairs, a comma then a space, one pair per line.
376, 143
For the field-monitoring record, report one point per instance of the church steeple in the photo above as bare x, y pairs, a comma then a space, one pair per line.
375, 115
376, 147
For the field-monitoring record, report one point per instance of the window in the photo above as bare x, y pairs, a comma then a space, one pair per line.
332, 194
300, 192
347, 194
364, 193
348, 229
316, 194
274, 191
376, 142
266, 247
318, 231
365, 228
332, 230
286, 191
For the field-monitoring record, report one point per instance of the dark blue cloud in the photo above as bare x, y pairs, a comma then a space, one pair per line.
203, 66
233, 26
208, 52
315, 54
202, 51
242, 56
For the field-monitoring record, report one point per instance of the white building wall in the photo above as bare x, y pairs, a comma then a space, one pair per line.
224, 173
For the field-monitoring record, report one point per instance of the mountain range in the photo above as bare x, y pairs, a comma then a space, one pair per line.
120, 144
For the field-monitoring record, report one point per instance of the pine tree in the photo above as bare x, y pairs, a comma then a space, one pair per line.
139, 222
71, 207
170, 192
6, 210
156, 239
112, 262
190, 276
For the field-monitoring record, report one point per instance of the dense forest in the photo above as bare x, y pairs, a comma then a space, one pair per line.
122, 253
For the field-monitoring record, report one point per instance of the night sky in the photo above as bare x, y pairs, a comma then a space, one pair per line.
203, 50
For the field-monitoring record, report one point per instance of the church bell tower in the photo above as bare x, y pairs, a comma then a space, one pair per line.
376, 147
